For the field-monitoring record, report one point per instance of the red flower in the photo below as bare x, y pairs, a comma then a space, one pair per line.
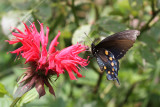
43, 63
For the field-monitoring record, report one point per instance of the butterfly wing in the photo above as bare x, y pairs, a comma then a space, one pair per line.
119, 43
107, 63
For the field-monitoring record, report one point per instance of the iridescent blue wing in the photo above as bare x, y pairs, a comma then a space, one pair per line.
108, 63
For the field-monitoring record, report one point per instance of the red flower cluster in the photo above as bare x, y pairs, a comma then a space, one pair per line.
43, 63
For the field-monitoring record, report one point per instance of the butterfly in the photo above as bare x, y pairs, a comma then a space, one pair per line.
111, 49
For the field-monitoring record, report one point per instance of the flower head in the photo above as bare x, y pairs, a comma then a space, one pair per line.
43, 63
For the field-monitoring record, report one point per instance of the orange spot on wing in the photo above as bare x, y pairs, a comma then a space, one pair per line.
110, 58
106, 52
112, 63
109, 72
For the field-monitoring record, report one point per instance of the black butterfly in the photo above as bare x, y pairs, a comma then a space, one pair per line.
111, 49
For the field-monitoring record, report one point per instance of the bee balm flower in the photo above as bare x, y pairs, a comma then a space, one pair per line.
42, 63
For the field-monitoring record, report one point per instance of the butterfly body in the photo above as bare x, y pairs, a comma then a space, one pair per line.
111, 49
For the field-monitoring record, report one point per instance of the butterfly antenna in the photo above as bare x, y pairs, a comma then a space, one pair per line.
88, 37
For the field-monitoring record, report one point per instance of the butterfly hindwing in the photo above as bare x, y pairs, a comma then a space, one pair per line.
107, 63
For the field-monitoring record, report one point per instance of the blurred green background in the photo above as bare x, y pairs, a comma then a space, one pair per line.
139, 68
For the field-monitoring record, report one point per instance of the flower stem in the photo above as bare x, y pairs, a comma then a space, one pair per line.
15, 102
98, 82
154, 14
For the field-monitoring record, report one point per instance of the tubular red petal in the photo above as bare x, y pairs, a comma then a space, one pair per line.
27, 30
76, 71
19, 31
54, 44
18, 35
71, 75
47, 33
12, 42
44, 41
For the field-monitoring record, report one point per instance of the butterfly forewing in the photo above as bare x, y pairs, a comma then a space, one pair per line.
119, 43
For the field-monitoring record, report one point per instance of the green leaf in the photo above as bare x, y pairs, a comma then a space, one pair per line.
91, 15
13, 19
136, 4
26, 98
158, 4
122, 7
59, 102
154, 32
89, 79
111, 103
97, 34
148, 55
5, 6
43, 11
149, 40
111, 25
3, 91
21, 90
21, 4
79, 35
5, 101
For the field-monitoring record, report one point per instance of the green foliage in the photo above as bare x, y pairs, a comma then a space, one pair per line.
111, 25
27, 97
2, 90
139, 72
